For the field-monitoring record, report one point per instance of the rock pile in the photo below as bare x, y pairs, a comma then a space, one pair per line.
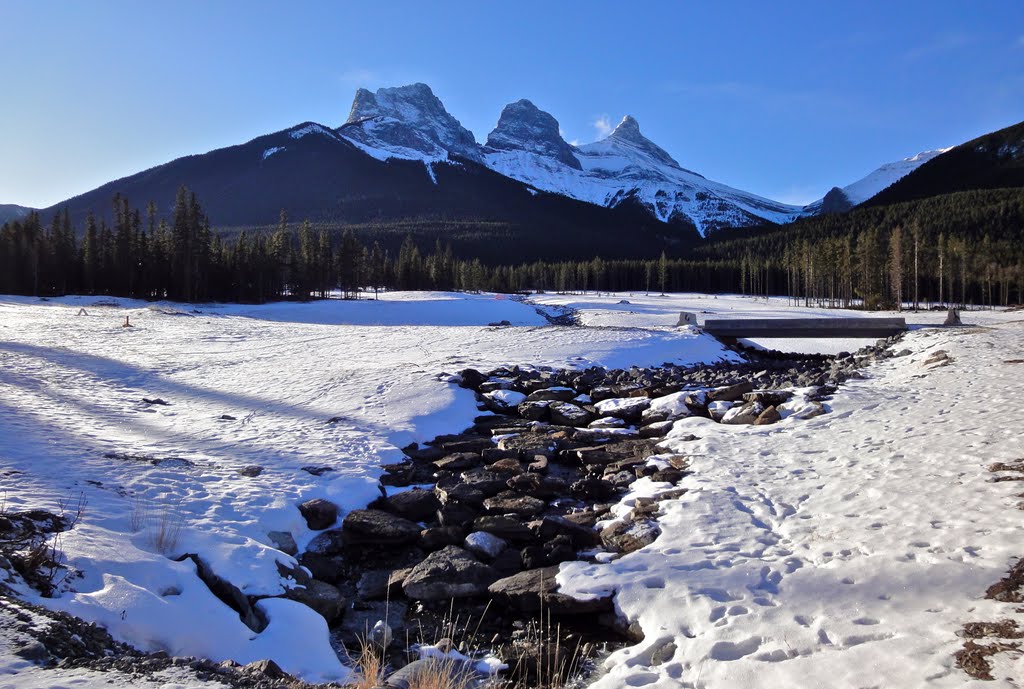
487, 514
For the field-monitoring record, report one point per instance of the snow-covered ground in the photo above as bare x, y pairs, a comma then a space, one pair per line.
844, 551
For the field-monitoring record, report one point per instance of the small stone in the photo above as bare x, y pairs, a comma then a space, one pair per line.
485, 545
769, 416
267, 668
251, 471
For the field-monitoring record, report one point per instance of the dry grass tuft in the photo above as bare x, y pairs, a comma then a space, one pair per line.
369, 666
161, 525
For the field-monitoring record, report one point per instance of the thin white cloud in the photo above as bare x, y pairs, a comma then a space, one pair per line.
358, 76
1020, 42
603, 125
939, 45
798, 194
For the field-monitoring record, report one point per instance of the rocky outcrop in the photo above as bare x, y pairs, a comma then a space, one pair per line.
408, 119
525, 127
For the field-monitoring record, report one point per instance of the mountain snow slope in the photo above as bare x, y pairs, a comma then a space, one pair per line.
863, 189
626, 165
410, 122
992, 161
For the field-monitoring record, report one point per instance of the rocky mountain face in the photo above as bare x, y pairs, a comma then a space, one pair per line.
525, 127
407, 122
410, 122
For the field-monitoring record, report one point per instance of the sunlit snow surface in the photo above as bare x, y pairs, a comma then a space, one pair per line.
843, 551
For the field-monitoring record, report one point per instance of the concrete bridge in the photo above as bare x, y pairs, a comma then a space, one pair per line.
804, 327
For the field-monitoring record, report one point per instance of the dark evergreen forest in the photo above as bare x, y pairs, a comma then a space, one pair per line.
962, 248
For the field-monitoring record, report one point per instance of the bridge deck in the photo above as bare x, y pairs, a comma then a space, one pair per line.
805, 327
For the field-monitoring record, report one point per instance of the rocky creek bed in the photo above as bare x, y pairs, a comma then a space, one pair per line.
466, 538
465, 541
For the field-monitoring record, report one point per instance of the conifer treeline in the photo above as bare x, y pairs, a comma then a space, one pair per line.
875, 258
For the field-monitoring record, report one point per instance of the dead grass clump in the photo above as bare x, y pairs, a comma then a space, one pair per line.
973, 657
1003, 629
1008, 589
161, 525
369, 666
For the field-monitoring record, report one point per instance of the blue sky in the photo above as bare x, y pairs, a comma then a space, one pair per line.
785, 99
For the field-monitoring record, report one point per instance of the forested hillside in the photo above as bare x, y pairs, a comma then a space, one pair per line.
964, 247
993, 161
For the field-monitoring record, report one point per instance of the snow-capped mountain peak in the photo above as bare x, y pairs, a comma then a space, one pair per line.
406, 122
525, 127
628, 132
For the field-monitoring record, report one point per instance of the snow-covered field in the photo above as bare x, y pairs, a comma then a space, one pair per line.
844, 551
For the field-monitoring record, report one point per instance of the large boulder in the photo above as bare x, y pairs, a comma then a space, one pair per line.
626, 537
745, 414
458, 461
504, 526
471, 378
327, 543
527, 445
513, 503
416, 505
319, 513
534, 590
503, 401
568, 414
557, 394
731, 393
448, 573
534, 411
629, 408
581, 536
374, 527
321, 597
